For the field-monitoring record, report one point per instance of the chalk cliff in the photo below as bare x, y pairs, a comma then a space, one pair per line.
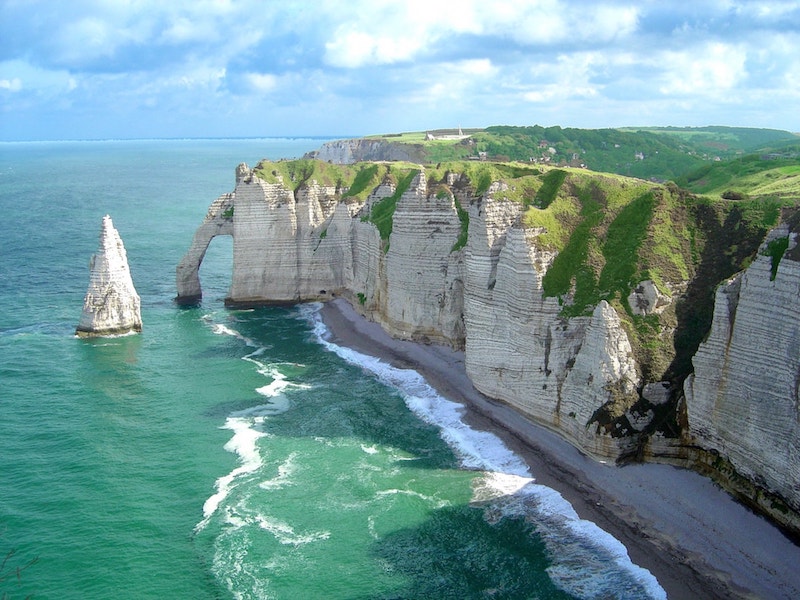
742, 399
111, 305
365, 149
313, 243
561, 289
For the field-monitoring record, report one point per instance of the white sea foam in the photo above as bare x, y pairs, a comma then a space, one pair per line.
369, 449
430, 501
581, 567
244, 444
246, 423
286, 534
242, 515
222, 329
284, 477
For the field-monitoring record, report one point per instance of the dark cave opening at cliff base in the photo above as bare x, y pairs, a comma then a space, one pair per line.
216, 270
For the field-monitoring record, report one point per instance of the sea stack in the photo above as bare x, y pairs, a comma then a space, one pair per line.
111, 305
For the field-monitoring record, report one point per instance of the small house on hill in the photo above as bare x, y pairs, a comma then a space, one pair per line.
446, 136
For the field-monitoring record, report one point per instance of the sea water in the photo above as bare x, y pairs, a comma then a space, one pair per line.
231, 453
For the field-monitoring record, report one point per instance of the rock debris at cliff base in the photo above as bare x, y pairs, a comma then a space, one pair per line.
569, 294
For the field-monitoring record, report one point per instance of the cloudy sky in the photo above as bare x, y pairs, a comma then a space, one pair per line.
230, 68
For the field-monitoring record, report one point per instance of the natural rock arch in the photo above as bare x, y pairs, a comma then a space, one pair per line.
218, 221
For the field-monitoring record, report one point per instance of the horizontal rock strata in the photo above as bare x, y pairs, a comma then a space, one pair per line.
111, 305
421, 279
742, 400
311, 244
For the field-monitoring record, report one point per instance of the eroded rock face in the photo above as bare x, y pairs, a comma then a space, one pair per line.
218, 221
742, 400
577, 375
557, 371
646, 299
485, 297
357, 150
424, 301
287, 246
111, 305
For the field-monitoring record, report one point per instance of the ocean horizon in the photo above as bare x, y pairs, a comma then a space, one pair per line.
227, 453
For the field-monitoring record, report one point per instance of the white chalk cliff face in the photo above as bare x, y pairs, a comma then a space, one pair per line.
743, 399
486, 297
518, 349
357, 150
575, 375
111, 305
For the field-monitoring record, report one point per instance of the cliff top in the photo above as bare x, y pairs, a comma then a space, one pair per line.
661, 153
611, 233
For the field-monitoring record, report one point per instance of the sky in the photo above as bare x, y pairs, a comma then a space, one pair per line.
100, 69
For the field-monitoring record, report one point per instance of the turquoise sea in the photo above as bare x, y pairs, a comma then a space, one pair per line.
236, 454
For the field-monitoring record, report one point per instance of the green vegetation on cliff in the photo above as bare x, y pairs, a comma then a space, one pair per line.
609, 232
367, 179
602, 226
775, 250
660, 153
294, 174
759, 176
463, 217
382, 212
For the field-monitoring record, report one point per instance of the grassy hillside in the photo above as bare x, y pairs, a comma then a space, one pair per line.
725, 142
659, 153
756, 176
611, 232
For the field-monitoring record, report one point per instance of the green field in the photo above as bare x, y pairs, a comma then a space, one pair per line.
752, 176
657, 153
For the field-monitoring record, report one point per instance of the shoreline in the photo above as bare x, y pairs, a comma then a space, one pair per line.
693, 537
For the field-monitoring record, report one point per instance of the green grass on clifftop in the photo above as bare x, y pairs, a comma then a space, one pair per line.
294, 174
754, 176
661, 153
382, 212
608, 232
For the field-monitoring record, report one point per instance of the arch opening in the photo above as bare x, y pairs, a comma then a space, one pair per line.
216, 269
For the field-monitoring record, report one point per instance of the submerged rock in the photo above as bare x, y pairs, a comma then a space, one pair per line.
111, 305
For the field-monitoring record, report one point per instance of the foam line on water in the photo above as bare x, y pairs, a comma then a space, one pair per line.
244, 445
286, 534
246, 423
242, 515
284, 476
506, 476
430, 501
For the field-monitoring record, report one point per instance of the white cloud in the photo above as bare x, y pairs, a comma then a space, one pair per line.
352, 47
545, 22
569, 76
12, 85
455, 82
200, 77
481, 66
261, 82
606, 23
184, 29
709, 70
379, 34
480, 61
18, 75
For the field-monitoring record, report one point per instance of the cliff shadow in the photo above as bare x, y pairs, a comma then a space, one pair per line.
727, 241
457, 553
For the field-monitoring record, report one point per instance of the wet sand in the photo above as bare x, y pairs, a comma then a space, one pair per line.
692, 536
